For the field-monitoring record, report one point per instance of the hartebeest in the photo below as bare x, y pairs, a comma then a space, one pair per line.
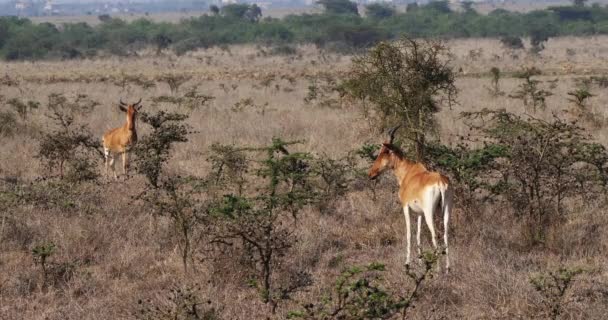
420, 191
120, 140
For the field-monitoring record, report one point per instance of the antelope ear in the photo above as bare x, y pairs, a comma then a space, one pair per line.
122, 108
389, 147
138, 107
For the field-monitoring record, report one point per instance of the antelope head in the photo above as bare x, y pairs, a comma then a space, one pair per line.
130, 109
386, 156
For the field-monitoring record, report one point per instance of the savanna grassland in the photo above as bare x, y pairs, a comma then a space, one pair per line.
94, 248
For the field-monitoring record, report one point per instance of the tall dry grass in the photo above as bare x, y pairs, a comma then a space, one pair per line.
122, 254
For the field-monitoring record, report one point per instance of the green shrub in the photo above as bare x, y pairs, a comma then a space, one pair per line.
153, 150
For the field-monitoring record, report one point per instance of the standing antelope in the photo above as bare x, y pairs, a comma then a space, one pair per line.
420, 191
120, 140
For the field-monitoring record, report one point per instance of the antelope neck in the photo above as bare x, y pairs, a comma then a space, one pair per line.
400, 166
130, 122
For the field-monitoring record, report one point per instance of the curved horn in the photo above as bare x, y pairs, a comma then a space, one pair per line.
122, 103
138, 102
391, 133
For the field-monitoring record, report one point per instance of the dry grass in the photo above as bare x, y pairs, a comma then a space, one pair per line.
123, 254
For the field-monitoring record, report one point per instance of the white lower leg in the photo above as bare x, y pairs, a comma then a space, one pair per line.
428, 217
125, 164
408, 234
446, 218
112, 167
418, 225
106, 155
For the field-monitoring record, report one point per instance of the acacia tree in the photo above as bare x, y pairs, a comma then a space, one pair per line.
406, 81
262, 219
543, 163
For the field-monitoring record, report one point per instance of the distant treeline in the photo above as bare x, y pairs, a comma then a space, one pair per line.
340, 27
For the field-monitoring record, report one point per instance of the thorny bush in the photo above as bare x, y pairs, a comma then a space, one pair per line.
360, 293
153, 150
69, 143
533, 164
261, 221
406, 82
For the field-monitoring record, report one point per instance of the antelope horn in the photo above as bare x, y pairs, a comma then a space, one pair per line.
138, 102
391, 133
122, 103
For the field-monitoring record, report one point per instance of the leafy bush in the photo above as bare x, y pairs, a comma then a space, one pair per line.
23, 109
181, 303
512, 42
580, 97
529, 91
360, 293
545, 162
153, 151
405, 82
70, 144
8, 123
554, 287
263, 220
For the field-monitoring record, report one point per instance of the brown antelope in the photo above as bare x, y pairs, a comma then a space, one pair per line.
120, 140
420, 191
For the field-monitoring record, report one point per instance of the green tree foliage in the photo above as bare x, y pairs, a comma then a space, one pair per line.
70, 144
178, 303
215, 10
512, 42
580, 97
244, 11
553, 286
339, 27
360, 293
41, 253
264, 219
440, 6
529, 91
495, 84
339, 7
379, 11
543, 164
153, 151
405, 81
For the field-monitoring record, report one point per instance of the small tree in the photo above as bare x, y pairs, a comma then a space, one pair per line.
153, 150
360, 293
406, 81
175, 198
23, 108
244, 11
214, 9
545, 162
162, 41
495, 87
180, 303
174, 81
41, 253
264, 219
512, 42
529, 91
70, 144
553, 286
580, 97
